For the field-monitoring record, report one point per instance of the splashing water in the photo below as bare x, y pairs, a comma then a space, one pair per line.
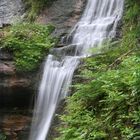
97, 24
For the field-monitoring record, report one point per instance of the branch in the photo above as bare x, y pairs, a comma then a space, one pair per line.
119, 60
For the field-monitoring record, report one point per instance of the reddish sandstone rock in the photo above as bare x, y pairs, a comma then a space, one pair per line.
12, 125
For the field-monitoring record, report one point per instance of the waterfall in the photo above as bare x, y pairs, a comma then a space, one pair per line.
98, 23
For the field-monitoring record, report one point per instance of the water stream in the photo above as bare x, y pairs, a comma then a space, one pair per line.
98, 23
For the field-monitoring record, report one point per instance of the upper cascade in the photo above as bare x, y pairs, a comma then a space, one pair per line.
98, 23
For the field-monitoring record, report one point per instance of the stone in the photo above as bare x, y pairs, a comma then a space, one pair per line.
13, 125
15, 89
7, 68
17, 82
63, 14
15, 122
10, 11
5, 55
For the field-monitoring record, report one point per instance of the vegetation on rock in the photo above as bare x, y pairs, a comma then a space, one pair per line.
106, 103
35, 7
29, 44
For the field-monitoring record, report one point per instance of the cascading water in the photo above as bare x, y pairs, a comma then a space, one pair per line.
98, 23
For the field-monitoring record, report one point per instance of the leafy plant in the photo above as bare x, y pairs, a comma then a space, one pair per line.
29, 43
106, 102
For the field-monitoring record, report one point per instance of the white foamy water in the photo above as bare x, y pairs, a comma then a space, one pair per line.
99, 22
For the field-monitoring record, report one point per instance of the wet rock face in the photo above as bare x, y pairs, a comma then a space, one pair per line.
10, 11
63, 14
15, 124
15, 89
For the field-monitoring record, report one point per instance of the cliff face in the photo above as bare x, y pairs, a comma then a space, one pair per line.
10, 11
17, 89
10, 84
63, 14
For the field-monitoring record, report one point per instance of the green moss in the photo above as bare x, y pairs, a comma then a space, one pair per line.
29, 44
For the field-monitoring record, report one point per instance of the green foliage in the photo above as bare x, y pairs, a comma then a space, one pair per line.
106, 107
29, 43
133, 10
106, 102
2, 136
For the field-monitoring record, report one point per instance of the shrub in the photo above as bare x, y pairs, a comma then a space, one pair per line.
29, 43
106, 102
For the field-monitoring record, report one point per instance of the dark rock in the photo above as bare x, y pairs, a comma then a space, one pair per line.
17, 82
15, 96
63, 51
15, 89
5, 55
15, 125
7, 68
63, 14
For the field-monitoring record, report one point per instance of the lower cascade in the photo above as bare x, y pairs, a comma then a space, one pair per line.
98, 23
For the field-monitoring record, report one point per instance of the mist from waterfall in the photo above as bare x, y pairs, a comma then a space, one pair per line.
98, 23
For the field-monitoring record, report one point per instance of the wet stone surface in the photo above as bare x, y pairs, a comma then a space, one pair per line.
14, 123
15, 89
